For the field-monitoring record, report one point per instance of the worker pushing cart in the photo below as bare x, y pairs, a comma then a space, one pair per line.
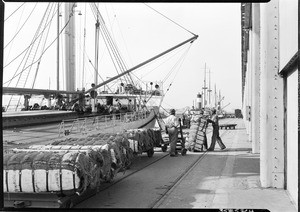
172, 124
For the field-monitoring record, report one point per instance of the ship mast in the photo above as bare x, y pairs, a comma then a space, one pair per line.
57, 69
204, 87
70, 46
96, 48
209, 89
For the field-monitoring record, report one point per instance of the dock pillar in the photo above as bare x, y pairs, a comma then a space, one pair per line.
271, 98
255, 119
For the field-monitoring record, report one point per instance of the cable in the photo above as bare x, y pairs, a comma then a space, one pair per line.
162, 63
36, 36
26, 48
111, 43
37, 69
21, 27
42, 52
170, 19
14, 12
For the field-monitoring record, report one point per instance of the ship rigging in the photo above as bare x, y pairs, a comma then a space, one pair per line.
31, 60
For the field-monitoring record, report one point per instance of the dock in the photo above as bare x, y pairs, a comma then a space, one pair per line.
219, 179
223, 179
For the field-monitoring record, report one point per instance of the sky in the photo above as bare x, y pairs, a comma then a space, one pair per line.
141, 31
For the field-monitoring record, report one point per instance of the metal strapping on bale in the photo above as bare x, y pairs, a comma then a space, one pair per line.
74, 172
20, 180
60, 175
47, 178
6, 174
32, 172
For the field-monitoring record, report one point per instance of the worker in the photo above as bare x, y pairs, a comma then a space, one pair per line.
172, 124
215, 137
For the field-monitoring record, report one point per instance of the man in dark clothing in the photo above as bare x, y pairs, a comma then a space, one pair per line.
172, 124
215, 137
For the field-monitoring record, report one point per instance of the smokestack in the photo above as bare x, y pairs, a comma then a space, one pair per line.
199, 100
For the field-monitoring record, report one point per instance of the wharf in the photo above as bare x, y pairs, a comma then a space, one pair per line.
227, 179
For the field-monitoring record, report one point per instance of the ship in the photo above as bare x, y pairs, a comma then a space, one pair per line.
122, 95
102, 126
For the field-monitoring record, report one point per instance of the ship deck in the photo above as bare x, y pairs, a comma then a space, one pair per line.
34, 113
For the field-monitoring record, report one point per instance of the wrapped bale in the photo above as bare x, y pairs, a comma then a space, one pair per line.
135, 136
126, 153
193, 132
197, 133
158, 137
36, 171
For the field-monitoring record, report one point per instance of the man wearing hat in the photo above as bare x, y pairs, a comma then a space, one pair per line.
172, 124
215, 137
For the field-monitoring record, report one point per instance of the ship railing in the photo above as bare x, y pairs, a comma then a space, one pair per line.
98, 123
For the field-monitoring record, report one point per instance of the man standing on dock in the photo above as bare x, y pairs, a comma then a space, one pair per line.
172, 123
215, 137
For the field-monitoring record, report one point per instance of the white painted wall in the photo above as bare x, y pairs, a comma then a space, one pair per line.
288, 34
288, 30
292, 136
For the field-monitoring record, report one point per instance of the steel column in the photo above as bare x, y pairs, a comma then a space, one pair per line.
271, 125
255, 77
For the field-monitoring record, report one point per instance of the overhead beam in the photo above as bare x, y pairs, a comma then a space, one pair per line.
142, 64
29, 91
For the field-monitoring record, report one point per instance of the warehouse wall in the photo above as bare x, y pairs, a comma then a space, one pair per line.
292, 136
288, 34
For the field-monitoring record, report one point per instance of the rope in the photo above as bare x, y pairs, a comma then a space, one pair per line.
27, 47
14, 12
28, 51
173, 79
113, 48
41, 54
161, 64
21, 27
170, 19
37, 69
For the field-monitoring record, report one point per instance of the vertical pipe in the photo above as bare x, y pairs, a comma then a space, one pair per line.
255, 78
